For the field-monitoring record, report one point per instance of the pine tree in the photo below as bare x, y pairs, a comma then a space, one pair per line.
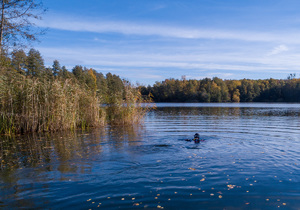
56, 69
19, 61
35, 63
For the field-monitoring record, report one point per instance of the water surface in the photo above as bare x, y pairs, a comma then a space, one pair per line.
249, 159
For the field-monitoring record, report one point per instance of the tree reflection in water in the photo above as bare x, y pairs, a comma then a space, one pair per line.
60, 151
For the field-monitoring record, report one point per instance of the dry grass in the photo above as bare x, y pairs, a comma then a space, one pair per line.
129, 110
36, 105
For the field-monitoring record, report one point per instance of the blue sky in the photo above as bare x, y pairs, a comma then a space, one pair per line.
151, 40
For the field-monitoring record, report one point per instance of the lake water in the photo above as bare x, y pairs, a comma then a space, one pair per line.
250, 159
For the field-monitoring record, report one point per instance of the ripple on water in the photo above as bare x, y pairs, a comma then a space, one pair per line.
249, 159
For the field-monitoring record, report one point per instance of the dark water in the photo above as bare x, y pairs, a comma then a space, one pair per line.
249, 160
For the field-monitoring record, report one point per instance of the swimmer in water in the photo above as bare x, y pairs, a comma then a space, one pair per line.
196, 138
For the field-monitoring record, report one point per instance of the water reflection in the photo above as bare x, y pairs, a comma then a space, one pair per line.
227, 111
47, 149
250, 155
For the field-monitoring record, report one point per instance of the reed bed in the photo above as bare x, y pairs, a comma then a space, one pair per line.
35, 105
129, 109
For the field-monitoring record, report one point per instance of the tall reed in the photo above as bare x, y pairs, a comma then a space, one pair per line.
35, 104
130, 109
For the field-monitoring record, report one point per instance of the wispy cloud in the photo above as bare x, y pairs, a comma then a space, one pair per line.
279, 49
133, 28
233, 62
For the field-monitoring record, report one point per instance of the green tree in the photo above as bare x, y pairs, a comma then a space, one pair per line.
34, 63
101, 86
19, 61
56, 69
91, 79
216, 95
115, 89
78, 73
65, 74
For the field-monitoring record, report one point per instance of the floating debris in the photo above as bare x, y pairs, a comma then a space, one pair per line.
193, 169
202, 180
220, 196
230, 186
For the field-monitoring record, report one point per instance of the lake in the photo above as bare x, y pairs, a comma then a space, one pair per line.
249, 159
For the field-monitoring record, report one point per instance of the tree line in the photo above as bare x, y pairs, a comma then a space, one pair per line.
218, 90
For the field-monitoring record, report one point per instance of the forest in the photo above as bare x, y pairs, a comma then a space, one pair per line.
35, 98
218, 90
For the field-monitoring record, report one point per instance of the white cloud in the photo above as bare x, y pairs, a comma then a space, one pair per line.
279, 49
98, 58
131, 28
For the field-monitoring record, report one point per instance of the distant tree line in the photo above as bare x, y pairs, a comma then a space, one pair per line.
218, 90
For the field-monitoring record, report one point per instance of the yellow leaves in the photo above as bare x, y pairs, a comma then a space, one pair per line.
220, 196
193, 169
230, 186
202, 180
